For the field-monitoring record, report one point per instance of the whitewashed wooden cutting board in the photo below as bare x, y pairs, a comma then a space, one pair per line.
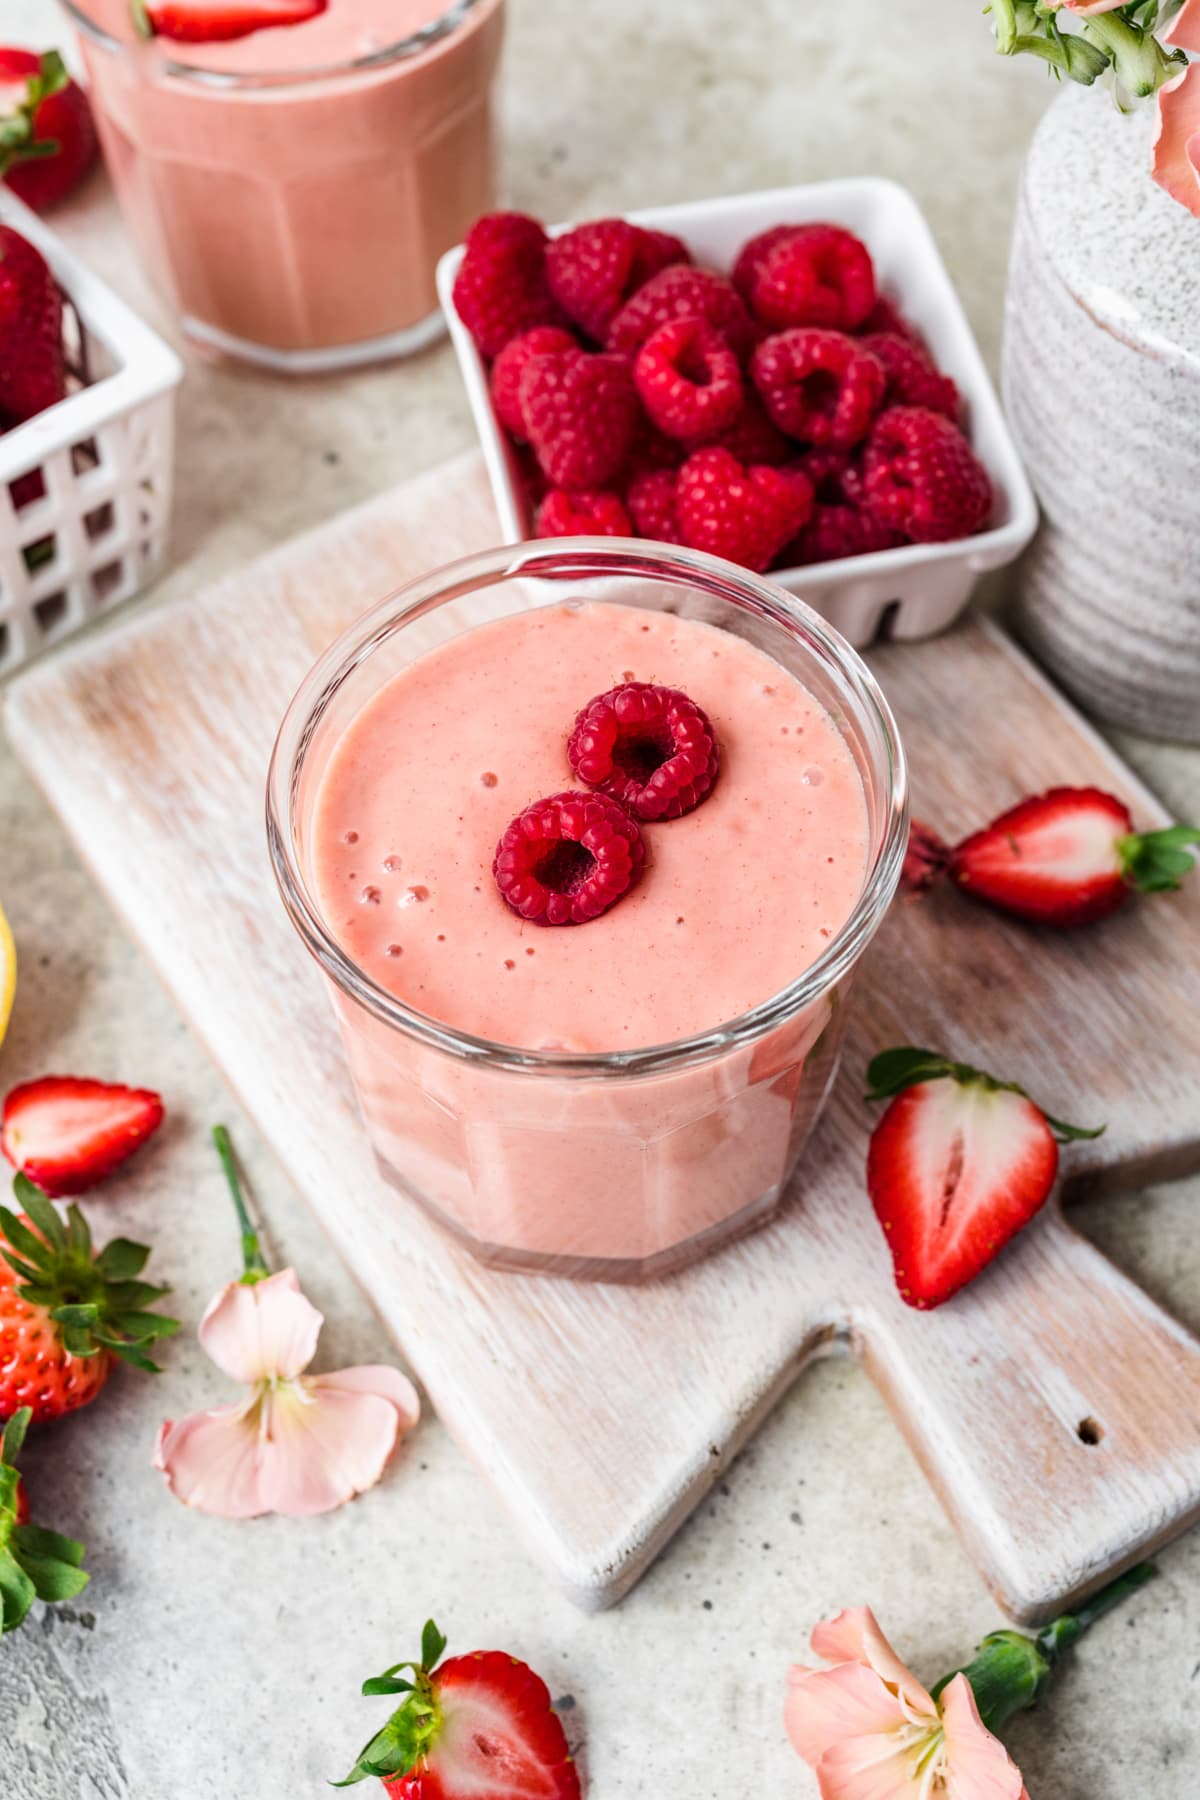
1054, 1406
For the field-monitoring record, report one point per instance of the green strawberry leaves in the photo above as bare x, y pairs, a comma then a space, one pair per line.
412, 1728
95, 1300
1154, 862
35, 1564
905, 1066
17, 142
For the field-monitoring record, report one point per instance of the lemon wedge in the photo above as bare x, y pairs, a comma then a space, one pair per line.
8, 973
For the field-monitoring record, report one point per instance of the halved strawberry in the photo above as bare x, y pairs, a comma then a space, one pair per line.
957, 1165
478, 1727
1068, 857
67, 1134
35, 1564
211, 21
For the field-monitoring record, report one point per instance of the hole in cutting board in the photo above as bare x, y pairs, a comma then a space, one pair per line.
1089, 1431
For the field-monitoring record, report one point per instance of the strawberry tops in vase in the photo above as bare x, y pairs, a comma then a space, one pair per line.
291, 171
588, 842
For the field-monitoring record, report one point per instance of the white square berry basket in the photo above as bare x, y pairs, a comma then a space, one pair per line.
97, 466
909, 592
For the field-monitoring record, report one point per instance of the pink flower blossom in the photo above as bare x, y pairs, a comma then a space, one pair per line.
295, 1443
1087, 9
872, 1732
1176, 159
1183, 33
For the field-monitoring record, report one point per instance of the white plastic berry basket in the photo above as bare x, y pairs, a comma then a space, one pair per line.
910, 592
101, 458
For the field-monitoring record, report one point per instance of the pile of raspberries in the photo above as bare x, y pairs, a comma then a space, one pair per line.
786, 413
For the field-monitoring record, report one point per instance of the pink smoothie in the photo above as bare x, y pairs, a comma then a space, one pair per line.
306, 213
737, 900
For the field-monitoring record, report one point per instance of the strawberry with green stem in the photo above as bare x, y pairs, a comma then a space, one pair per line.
35, 1564
959, 1163
66, 1311
477, 1727
47, 138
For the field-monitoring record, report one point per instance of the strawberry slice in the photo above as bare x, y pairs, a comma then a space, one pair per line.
213, 21
66, 1134
477, 1727
957, 1165
1068, 857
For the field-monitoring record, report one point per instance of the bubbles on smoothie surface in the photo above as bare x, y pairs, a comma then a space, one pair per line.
391, 865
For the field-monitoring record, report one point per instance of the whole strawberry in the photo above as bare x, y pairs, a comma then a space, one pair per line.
47, 138
477, 1727
958, 1164
35, 1564
32, 365
66, 1312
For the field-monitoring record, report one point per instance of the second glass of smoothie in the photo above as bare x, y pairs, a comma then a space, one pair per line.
291, 191
613, 1098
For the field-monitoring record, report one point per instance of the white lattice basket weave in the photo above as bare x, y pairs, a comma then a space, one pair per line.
96, 492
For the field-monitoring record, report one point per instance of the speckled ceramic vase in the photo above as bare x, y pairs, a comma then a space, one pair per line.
1102, 384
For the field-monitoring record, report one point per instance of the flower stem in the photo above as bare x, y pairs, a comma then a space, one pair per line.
1139, 60
1010, 1671
254, 1266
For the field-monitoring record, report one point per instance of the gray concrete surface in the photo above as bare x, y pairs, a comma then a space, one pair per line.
210, 1660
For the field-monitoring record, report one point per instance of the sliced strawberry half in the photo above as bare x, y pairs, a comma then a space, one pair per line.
477, 1727
958, 1164
1068, 857
67, 1134
213, 21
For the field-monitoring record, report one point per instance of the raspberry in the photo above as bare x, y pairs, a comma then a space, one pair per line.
581, 415
593, 269
819, 386
677, 293
509, 366
688, 380
753, 437
568, 858
651, 503
591, 513
652, 748
753, 254
921, 477
836, 530
913, 378
653, 449
816, 275
745, 514
832, 473
501, 286
885, 315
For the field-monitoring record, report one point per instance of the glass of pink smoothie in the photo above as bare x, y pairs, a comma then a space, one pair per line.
291, 191
614, 1098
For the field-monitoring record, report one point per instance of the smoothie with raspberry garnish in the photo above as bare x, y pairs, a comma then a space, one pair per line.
291, 190
715, 882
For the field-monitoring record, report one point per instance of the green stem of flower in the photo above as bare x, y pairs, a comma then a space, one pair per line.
254, 1266
1139, 60
1010, 1671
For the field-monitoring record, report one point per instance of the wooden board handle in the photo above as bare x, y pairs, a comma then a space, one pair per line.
1056, 1411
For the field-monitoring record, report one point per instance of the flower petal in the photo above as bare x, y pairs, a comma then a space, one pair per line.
826, 1706
978, 1767
377, 1378
324, 1443
854, 1636
1183, 33
261, 1332
1175, 163
872, 1768
211, 1460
